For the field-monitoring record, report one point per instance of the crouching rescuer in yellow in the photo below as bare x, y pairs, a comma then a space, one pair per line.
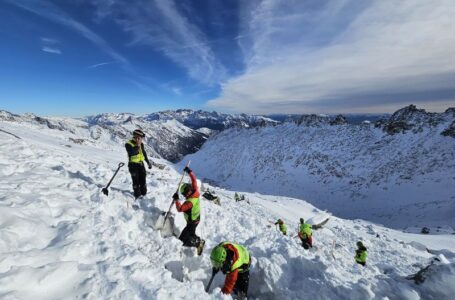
234, 261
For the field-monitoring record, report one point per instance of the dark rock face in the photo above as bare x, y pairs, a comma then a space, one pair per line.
339, 120
449, 131
174, 148
397, 127
312, 120
410, 118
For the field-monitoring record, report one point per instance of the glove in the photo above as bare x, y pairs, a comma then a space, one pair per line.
150, 165
175, 197
214, 271
188, 170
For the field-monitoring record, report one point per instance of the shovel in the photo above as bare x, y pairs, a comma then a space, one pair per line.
170, 206
105, 190
210, 281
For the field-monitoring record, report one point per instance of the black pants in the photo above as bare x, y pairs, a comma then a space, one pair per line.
138, 175
189, 237
242, 283
307, 243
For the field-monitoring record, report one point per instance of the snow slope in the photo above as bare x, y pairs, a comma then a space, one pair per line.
401, 174
60, 238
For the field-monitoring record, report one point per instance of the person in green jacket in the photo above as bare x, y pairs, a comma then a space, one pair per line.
282, 226
305, 234
234, 261
361, 254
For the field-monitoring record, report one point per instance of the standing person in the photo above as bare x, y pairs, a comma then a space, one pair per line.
235, 261
361, 254
136, 156
191, 211
305, 234
282, 226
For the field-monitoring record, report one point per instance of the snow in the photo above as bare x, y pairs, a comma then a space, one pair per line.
355, 171
61, 238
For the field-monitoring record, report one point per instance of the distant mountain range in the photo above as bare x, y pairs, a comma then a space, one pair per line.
391, 171
171, 134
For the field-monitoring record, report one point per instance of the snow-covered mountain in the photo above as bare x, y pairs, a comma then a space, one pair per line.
168, 139
213, 120
60, 238
399, 171
171, 134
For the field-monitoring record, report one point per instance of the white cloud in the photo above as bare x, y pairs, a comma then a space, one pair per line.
52, 12
299, 61
49, 41
160, 24
177, 91
100, 64
51, 50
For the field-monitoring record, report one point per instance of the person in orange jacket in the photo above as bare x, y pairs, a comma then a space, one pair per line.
234, 261
191, 211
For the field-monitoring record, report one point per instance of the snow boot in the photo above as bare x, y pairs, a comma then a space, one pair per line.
200, 248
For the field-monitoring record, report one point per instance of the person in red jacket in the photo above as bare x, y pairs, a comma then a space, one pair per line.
191, 211
234, 261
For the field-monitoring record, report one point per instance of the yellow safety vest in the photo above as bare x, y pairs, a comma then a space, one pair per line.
138, 158
195, 210
244, 257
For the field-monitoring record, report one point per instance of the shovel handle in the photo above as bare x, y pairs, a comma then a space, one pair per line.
180, 182
113, 176
210, 283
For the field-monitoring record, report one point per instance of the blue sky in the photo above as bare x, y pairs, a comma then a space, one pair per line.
84, 57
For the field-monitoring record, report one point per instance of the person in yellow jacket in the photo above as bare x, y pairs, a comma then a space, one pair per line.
305, 234
234, 261
361, 254
136, 158
282, 226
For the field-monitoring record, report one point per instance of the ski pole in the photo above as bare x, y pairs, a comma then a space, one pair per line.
210, 282
180, 182
105, 190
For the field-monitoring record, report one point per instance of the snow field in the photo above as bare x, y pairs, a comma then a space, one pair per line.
60, 238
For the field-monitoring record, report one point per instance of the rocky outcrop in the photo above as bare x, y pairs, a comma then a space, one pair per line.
410, 118
449, 131
339, 120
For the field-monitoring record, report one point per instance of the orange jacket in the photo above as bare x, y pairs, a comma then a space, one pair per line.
231, 278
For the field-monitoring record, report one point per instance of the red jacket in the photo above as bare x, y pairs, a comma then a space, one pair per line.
231, 278
187, 205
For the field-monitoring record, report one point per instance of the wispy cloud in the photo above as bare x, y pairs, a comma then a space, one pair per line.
100, 64
53, 13
51, 50
161, 25
49, 41
177, 91
343, 55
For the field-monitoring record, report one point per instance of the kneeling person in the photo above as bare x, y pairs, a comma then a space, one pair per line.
235, 261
